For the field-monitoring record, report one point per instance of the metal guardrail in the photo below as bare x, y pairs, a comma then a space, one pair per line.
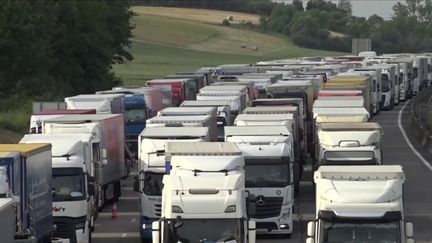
421, 118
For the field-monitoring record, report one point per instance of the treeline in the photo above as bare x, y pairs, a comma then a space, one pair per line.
325, 25
53, 48
261, 7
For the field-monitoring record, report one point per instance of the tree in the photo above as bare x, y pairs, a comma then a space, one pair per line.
345, 5
321, 5
298, 5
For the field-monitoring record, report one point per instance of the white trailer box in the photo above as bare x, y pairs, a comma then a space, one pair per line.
343, 114
339, 101
102, 103
194, 111
237, 101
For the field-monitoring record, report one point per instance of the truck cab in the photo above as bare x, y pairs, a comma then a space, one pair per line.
350, 143
74, 206
152, 144
204, 202
388, 79
359, 204
269, 165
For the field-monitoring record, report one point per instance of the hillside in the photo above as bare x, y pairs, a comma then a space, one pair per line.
169, 40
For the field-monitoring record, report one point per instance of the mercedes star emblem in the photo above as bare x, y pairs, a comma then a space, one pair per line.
260, 200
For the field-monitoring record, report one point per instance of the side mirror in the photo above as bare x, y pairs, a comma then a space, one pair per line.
252, 231
311, 229
156, 231
104, 161
310, 240
136, 184
90, 189
409, 230
103, 153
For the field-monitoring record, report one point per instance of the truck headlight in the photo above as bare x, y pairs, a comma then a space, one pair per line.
230, 209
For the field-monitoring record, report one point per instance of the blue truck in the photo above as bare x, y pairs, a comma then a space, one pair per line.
136, 113
29, 182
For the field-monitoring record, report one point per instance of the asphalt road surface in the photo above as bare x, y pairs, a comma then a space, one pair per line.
418, 193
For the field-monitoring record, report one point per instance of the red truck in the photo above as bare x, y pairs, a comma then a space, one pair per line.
179, 88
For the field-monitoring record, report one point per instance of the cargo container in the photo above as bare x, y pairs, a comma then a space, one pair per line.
7, 220
195, 111
179, 89
29, 176
37, 118
103, 103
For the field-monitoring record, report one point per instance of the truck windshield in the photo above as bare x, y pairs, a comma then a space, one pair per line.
153, 183
136, 115
353, 232
265, 172
385, 83
68, 184
206, 230
349, 158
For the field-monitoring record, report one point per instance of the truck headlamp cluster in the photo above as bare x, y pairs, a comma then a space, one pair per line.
176, 209
230, 209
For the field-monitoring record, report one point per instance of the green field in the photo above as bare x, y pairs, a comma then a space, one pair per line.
163, 45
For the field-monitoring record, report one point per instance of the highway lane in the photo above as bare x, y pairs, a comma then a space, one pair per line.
418, 195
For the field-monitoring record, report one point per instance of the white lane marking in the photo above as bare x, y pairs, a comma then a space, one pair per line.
422, 159
128, 198
116, 235
108, 214
133, 220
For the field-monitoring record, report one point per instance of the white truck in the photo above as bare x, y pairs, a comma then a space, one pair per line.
204, 197
107, 149
341, 114
7, 220
103, 103
350, 143
195, 111
339, 101
73, 176
269, 162
223, 113
420, 68
151, 153
360, 204
388, 79
226, 89
237, 101
286, 120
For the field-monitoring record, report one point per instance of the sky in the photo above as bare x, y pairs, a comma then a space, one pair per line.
366, 8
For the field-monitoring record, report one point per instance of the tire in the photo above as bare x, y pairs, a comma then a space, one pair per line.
90, 235
145, 240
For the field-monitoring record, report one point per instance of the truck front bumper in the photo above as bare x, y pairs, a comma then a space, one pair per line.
146, 227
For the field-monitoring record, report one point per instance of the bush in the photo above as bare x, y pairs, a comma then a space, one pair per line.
226, 22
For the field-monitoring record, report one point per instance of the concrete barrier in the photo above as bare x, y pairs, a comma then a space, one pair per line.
421, 118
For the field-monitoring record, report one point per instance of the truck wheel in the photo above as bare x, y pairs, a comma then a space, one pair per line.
145, 240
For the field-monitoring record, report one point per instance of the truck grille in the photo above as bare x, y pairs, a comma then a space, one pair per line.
266, 225
64, 229
267, 207
157, 209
